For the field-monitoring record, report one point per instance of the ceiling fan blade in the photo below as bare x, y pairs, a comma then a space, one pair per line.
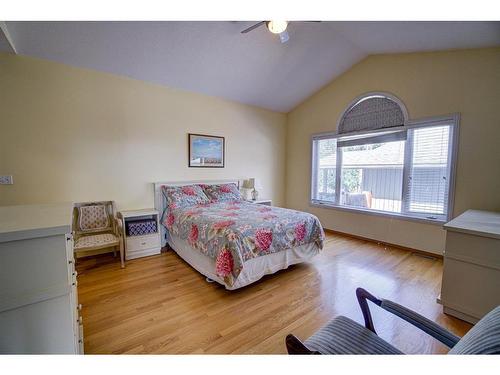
253, 27
284, 37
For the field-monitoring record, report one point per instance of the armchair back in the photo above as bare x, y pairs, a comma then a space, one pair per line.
94, 217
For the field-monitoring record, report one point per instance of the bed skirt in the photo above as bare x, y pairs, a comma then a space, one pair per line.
253, 269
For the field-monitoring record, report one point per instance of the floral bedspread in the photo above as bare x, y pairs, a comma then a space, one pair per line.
234, 232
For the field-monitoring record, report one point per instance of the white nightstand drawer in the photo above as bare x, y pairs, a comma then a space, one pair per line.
143, 242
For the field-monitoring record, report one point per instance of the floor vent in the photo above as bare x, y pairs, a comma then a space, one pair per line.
425, 256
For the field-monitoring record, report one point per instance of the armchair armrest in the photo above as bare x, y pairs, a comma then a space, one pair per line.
119, 227
412, 317
295, 346
75, 235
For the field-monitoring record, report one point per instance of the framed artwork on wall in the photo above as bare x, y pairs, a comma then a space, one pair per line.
206, 151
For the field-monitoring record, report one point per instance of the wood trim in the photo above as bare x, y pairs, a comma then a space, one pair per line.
416, 251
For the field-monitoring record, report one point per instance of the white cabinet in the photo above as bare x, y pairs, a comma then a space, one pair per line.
471, 273
138, 244
38, 289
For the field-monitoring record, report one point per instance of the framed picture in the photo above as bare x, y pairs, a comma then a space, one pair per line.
206, 151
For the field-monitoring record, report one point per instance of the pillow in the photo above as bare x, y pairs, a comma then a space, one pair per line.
222, 192
184, 196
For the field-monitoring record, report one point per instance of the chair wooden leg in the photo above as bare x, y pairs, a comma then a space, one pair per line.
114, 251
122, 254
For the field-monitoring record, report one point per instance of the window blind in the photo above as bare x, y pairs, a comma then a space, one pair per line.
372, 112
324, 170
371, 138
429, 171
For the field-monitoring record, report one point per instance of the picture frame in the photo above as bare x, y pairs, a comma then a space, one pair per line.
206, 151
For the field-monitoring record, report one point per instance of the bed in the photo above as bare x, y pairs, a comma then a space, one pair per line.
229, 240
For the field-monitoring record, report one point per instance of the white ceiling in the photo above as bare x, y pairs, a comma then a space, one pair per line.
255, 68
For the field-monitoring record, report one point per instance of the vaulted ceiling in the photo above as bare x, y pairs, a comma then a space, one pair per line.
214, 58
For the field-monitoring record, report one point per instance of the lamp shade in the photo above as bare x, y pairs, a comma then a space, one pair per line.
249, 184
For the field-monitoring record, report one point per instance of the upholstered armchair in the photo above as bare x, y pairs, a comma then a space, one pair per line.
345, 336
96, 227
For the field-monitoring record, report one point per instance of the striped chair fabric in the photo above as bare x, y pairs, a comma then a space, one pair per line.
421, 322
344, 336
483, 338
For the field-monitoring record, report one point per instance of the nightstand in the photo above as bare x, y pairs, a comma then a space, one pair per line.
265, 202
141, 233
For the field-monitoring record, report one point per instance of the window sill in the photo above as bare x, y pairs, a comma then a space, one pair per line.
393, 215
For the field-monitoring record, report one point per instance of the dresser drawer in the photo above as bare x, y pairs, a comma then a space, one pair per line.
142, 242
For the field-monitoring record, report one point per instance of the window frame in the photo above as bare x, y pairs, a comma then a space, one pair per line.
453, 120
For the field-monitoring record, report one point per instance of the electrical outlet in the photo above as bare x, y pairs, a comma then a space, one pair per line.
6, 180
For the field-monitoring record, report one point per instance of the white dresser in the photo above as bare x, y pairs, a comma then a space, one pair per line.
471, 273
39, 311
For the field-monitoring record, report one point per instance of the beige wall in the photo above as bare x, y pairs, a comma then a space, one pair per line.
430, 84
75, 134
71, 134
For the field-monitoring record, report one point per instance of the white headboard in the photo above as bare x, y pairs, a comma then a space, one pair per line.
160, 199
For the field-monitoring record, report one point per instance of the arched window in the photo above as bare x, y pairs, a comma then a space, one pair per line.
372, 111
380, 162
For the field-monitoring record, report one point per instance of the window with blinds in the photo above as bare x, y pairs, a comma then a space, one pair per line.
325, 166
406, 171
429, 171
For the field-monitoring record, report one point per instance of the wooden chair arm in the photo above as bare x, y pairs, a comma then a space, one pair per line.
363, 296
412, 317
119, 227
295, 346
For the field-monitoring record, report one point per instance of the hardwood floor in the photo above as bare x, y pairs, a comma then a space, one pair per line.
160, 304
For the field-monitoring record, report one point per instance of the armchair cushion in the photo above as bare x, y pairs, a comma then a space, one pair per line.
344, 336
93, 218
483, 338
96, 241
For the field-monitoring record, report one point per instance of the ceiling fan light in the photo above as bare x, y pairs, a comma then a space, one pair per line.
277, 27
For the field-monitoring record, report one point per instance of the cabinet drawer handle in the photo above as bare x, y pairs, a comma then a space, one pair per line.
143, 243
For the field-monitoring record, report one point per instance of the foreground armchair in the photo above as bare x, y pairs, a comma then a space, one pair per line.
344, 336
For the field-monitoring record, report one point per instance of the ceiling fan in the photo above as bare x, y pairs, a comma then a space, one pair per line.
276, 27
